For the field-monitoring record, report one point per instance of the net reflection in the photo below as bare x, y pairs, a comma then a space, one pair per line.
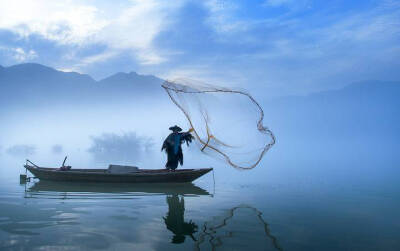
237, 227
215, 233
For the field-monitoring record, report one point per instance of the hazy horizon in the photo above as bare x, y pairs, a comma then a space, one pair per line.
83, 79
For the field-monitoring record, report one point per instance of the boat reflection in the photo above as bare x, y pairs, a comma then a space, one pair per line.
73, 190
48, 213
225, 230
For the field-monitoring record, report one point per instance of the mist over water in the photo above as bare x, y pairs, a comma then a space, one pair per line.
325, 185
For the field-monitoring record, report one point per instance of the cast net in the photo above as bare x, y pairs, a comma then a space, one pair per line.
227, 123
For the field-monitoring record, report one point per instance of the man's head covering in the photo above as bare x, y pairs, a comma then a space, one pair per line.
175, 128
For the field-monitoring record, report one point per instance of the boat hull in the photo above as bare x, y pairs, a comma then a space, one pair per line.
101, 175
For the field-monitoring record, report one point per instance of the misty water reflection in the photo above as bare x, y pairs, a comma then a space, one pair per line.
61, 208
175, 221
307, 215
71, 190
218, 231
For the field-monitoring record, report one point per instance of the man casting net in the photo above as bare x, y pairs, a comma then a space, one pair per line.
226, 123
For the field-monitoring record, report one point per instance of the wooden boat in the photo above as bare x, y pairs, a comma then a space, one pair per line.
104, 175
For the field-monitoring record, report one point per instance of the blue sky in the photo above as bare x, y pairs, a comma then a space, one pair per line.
278, 47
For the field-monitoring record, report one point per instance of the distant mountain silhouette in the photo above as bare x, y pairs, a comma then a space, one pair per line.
38, 84
38, 72
364, 110
131, 84
127, 78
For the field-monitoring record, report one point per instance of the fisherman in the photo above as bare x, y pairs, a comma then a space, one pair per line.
172, 146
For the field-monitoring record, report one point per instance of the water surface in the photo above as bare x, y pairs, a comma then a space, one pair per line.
273, 207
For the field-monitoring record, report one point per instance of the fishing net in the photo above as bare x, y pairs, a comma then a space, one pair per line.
226, 123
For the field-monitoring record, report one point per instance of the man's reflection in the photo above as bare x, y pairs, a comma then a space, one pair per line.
175, 221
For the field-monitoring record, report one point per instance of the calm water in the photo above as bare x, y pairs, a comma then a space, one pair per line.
288, 203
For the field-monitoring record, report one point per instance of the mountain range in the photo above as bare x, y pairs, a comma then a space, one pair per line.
368, 109
37, 84
363, 108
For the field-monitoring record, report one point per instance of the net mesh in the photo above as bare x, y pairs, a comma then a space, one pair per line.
226, 123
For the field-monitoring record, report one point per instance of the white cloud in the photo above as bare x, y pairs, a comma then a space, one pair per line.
19, 54
337, 43
150, 57
380, 26
101, 57
206, 73
339, 50
61, 21
221, 19
130, 26
67, 70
